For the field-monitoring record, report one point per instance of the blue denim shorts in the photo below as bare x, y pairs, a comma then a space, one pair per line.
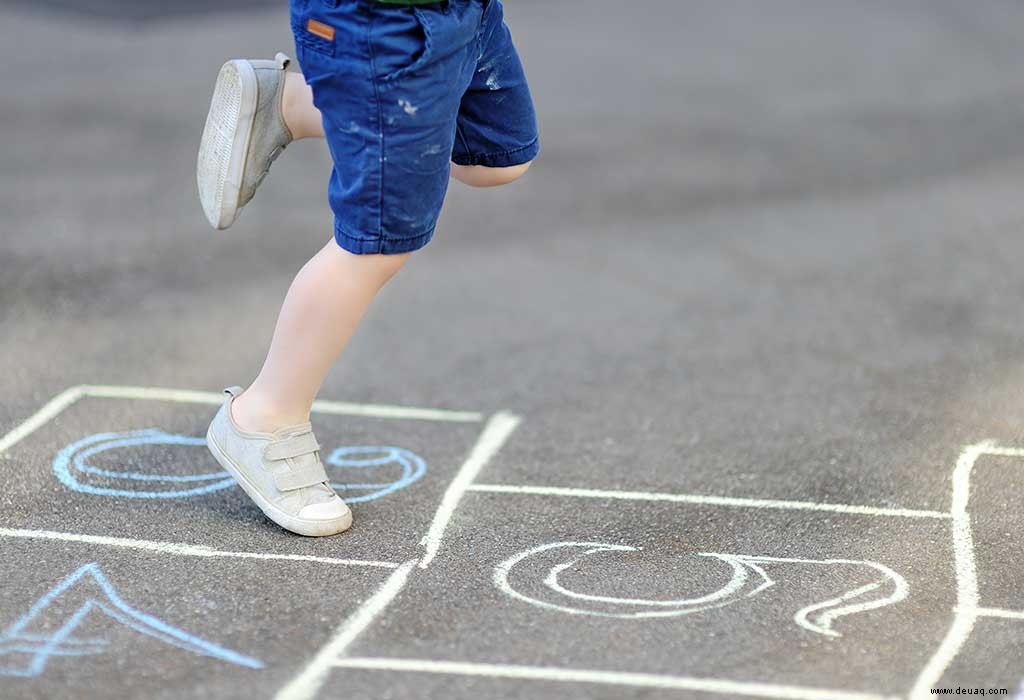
404, 91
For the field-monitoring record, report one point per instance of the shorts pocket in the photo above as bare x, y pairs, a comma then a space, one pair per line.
401, 41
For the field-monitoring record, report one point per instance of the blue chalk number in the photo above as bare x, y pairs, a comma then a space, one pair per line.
359, 473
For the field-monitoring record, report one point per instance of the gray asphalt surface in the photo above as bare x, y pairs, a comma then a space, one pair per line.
767, 253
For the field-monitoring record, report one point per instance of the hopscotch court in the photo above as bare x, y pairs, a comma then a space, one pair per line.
524, 555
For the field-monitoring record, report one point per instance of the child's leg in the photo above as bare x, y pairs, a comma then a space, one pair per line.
392, 139
496, 127
319, 315
486, 176
300, 114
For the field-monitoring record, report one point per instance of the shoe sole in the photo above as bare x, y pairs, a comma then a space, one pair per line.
292, 523
225, 144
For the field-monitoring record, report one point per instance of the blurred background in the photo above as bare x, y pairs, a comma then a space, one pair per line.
769, 250
775, 235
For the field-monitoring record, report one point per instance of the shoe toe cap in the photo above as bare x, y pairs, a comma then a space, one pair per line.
333, 509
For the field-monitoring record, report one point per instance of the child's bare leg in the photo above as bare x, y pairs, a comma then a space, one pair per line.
297, 108
483, 176
321, 311
327, 299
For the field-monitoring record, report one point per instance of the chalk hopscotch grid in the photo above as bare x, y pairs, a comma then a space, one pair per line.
184, 550
966, 612
307, 683
58, 404
497, 430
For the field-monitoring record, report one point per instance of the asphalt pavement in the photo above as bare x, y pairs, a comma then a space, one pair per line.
723, 399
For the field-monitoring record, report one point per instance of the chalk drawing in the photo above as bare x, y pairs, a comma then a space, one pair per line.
498, 429
558, 674
997, 612
704, 500
306, 685
72, 464
820, 615
968, 601
183, 550
216, 398
73, 468
31, 636
308, 682
746, 579
413, 467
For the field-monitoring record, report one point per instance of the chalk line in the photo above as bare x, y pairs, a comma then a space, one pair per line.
987, 448
966, 613
319, 406
494, 435
186, 550
306, 685
45, 414
706, 500
67, 397
997, 612
646, 680
308, 682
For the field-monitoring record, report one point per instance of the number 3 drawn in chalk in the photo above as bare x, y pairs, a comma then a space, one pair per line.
360, 466
746, 578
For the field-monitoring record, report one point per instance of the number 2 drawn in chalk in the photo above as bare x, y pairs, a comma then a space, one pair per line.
878, 587
360, 473
48, 628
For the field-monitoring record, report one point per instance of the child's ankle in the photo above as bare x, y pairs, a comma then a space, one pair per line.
253, 414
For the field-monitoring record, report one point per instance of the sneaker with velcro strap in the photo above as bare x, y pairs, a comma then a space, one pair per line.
245, 132
281, 472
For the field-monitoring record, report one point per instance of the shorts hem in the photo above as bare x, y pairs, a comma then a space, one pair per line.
503, 159
360, 245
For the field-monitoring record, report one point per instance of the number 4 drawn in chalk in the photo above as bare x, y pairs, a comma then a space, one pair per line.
47, 629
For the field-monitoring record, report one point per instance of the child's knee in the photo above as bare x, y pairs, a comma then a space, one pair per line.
503, 176
484, 176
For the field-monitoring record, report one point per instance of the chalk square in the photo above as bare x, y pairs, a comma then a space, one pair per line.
996, 509
992, 657
45, 488
163, 626
472, 620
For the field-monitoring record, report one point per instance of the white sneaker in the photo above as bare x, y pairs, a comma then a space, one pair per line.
281, 472
245, 132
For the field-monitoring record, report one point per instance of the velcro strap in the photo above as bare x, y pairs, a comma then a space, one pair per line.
302, 477
292, 447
